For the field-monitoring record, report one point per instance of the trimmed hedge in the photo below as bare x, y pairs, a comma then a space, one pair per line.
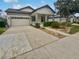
37, 25
55, 24
2, 23
46, 24
68, 24
2, 30
74, 29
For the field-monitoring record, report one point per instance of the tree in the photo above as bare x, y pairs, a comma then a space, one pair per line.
67, 7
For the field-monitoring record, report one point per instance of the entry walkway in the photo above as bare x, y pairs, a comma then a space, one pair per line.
56, 31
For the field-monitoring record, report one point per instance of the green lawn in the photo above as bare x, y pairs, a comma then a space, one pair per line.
74, 29
2, 30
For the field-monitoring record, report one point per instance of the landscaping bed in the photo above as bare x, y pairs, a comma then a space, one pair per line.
74, 29
3, 23
52, 33
2, 30
59, 30
48, 31
63, 26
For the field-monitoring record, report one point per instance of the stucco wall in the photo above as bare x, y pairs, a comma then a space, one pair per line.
44, 11
27, 9
18, 21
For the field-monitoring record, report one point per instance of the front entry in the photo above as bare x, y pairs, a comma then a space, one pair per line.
42, 18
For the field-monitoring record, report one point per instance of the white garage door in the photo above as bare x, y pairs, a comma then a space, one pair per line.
20, 22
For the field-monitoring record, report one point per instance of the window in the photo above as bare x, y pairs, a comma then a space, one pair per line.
33, 18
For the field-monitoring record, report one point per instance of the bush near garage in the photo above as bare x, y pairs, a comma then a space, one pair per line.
3, 22
37, 25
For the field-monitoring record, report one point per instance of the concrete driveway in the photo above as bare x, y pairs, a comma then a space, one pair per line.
35, 36
66, 48
17, 40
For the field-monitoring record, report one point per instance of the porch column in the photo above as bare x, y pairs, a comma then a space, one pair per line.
46, 19
8, 21
36, 16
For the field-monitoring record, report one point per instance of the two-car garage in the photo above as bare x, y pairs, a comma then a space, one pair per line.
20, 21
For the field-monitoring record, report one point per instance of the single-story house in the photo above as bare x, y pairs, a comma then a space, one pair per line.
76, 17
27, 15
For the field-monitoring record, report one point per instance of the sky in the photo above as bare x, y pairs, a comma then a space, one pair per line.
16, 4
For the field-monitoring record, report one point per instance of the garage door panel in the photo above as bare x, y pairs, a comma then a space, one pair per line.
20, 22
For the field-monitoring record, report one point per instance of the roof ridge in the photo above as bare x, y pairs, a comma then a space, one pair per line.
43, 7
26, 7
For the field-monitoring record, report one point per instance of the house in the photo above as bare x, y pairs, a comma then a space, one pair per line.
27, 15
76, 17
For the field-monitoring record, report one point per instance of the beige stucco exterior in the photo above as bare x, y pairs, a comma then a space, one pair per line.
27, 9
18, 22
44, 10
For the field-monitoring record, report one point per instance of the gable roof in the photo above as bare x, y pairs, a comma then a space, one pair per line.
44, 7
9, 9
15, 11
26, 7
24, 12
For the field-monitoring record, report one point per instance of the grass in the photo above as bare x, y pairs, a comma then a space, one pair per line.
74, 29
2, 30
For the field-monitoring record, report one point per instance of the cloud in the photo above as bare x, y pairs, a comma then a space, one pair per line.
17, 6
31, 6
10, 1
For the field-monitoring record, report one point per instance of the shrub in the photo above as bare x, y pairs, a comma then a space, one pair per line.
65, 24
55, 24
2, 24
74, 29
69, 24
77, 22
2, 30
46, 24
37, 25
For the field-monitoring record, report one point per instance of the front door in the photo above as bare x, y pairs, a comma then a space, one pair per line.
42, 18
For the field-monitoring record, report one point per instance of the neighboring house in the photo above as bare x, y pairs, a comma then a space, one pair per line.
76, 17
57, 18
28, 15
